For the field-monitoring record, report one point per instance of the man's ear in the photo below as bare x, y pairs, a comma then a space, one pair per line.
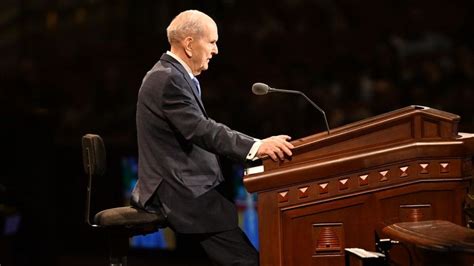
188, 47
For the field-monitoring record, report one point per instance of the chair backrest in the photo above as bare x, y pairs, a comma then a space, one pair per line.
93, 157
93, 154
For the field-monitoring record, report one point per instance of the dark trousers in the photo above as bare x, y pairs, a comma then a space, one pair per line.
227, 248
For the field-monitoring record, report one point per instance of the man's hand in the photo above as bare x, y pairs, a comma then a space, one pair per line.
276, 147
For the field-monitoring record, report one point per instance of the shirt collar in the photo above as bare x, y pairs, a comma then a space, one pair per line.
188, 69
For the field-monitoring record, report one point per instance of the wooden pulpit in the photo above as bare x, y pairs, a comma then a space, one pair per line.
339, 189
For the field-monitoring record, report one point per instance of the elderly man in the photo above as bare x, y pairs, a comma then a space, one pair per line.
179, 145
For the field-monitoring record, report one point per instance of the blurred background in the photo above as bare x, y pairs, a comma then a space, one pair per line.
71, 67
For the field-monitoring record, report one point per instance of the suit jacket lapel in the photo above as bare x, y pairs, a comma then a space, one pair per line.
186, 76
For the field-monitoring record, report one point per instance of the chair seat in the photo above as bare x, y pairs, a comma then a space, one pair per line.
128, 217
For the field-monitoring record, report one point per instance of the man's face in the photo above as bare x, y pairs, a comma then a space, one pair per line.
204, 48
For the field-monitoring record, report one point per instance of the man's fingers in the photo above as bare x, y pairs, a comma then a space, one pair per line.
286, 150
284, 137
288, 145
280, 154
280, 150
273, 156
284, 140
284, 146
277, 147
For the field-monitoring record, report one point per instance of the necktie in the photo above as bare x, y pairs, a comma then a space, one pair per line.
196, 82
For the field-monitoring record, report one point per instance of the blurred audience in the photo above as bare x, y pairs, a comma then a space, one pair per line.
353, 66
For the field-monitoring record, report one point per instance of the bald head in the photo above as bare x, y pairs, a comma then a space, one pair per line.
193, 38
190, 23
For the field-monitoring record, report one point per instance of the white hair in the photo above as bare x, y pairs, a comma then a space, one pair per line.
185, 24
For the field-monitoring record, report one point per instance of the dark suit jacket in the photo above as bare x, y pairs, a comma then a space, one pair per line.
178, 144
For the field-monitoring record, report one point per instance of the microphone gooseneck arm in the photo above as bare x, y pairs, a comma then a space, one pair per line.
308, 99
262, 89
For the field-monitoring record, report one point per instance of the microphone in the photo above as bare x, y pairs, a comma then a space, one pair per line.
262, 89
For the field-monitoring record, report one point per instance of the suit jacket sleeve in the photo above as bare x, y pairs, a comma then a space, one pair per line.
181, 109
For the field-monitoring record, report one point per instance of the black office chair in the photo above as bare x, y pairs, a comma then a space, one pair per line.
118, 223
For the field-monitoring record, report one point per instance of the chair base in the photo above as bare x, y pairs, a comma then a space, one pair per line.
118, 242
118, 261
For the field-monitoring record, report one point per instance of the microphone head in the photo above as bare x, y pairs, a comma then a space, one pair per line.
260, 88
